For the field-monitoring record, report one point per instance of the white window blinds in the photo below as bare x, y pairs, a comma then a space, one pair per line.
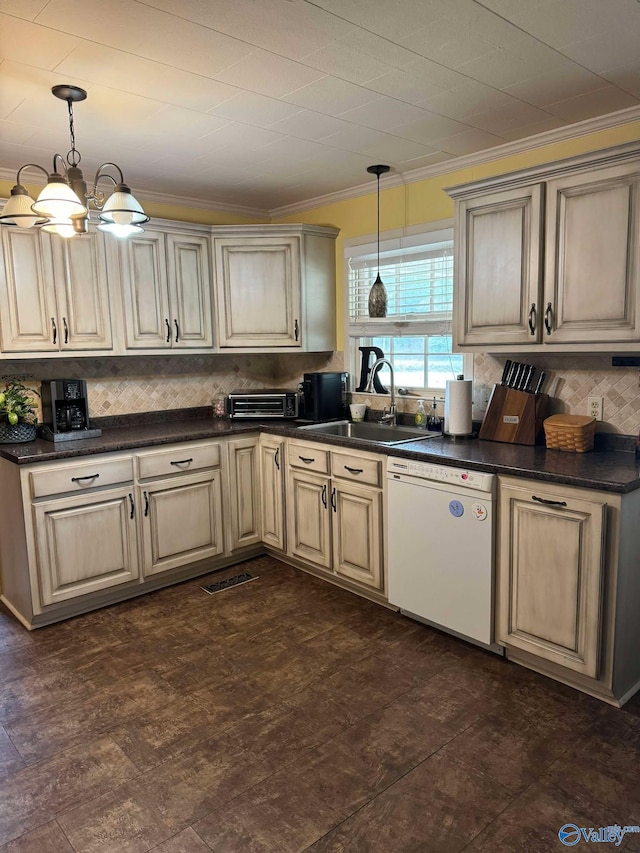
419, 284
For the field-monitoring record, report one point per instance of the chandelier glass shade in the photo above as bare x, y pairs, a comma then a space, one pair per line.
63, 206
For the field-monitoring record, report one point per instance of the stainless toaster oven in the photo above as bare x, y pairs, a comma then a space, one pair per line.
263, 404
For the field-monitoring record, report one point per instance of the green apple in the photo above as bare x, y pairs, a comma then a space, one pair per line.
13, 418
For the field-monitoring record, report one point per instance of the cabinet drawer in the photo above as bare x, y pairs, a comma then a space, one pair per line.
178, 459
357, 469
311, 457
80, 476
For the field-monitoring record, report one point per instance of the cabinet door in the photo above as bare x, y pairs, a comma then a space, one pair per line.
189, 291
592, 271
80, 275
357, 534
181, 521
28, 311
498, 272
308, 517
143, 270
244, 483
85, 543
258, 291
550, 573
272, 491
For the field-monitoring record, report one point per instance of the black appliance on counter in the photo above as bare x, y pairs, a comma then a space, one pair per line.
279, 404
325, 396
65, 410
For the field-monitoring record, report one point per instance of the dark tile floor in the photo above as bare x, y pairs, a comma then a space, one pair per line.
289, 715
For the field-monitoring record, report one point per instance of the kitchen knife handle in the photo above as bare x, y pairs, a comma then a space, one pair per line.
548, 318
532, 318
505, 372
548, 502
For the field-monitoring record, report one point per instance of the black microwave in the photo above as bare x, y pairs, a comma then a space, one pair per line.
263, 404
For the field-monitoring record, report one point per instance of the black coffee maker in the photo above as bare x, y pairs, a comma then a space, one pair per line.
64, 405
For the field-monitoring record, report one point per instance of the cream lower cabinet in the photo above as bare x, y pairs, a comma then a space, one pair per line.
244, 491
85, 543
180, 496
334, 512
568, 590
272, 461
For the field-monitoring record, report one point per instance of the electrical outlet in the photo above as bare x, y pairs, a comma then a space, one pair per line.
595, 404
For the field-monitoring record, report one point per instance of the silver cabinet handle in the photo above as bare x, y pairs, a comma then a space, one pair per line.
548, 318
296, 329
55, 330
532, 318
66, 330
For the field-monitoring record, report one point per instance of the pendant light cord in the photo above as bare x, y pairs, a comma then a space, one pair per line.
378, 225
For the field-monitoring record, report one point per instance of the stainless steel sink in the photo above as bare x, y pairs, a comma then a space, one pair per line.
368, 431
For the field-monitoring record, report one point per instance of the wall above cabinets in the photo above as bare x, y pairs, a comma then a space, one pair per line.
175, 288
548, 259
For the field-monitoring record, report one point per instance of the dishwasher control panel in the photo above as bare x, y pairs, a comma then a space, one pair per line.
461, 477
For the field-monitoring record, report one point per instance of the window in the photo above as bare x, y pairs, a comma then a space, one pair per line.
417, 271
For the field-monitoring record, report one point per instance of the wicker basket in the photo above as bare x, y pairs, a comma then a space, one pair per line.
570, 432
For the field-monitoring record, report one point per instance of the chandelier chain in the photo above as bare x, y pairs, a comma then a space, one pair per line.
73, 156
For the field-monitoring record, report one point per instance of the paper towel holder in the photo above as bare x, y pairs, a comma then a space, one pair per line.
467, 432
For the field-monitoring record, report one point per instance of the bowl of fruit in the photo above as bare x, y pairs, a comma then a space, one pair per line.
18, 413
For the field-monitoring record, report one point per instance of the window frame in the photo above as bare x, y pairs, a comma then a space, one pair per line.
396, 239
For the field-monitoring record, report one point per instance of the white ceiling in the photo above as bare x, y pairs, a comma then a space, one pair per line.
268, 103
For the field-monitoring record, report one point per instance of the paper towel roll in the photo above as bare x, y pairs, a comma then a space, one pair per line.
457, 407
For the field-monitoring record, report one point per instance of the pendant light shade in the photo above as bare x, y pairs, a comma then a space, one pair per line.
17, 210
122, 209
58, 201
378, 292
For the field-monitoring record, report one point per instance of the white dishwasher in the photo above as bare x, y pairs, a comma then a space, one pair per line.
441, 547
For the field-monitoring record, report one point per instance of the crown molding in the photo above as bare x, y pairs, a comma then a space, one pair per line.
519, 146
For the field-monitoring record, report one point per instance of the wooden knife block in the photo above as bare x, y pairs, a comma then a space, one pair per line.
514, 416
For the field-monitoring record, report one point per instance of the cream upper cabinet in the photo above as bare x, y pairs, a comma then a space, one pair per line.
498, 244
592, 269
275, 287
166, 291
576, 289
550, 574
53, 293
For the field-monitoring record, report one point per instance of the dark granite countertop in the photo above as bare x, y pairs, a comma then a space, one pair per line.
607, 470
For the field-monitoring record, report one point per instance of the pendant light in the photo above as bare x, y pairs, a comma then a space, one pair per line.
63, 205
378, 293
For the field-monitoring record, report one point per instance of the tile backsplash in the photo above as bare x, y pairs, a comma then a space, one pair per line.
132, 384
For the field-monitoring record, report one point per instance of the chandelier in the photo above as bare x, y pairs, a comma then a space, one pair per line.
63, 205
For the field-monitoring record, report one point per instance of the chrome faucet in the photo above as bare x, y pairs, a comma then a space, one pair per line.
390, 416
